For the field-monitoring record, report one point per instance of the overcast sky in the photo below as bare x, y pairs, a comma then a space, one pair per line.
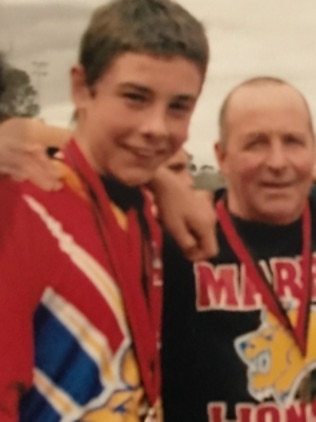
248, 38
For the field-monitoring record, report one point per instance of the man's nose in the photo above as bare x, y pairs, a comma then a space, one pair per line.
277, 157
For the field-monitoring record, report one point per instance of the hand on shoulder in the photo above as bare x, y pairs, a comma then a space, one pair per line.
23, 144
189, 215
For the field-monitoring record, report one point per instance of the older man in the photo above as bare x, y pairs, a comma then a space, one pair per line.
239, 339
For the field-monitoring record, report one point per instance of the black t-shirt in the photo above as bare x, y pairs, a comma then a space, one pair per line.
225, 356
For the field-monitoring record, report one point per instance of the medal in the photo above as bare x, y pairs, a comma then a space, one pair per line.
242, 251
154, 413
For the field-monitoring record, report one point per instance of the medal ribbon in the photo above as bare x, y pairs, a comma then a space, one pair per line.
123, 249
257, 276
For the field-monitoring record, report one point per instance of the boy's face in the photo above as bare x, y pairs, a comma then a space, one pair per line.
138, 114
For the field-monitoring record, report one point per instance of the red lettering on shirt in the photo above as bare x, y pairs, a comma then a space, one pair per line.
263, 412
227, 286
216, 287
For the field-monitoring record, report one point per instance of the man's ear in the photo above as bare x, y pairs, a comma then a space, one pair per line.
219, 153
80, 92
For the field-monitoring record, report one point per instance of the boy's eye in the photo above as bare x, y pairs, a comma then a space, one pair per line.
134, 96
180, 106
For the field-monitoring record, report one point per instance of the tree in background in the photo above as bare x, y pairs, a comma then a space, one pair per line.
209, 178
1, 76
17, 95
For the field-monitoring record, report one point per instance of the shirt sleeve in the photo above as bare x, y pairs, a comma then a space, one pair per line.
18, 297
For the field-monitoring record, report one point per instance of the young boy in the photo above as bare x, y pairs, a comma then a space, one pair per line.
80, 268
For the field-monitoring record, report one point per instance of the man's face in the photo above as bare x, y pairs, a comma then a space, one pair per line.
179, 164
138, 114
269, 154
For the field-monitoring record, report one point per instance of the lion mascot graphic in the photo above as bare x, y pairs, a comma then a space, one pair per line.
122, 403
275, 364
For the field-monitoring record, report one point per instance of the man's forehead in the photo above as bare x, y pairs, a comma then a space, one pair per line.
264, 93
269, 99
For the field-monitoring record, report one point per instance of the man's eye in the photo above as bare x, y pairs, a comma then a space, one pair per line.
256, 141
292, 139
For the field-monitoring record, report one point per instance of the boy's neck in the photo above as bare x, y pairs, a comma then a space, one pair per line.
122, 195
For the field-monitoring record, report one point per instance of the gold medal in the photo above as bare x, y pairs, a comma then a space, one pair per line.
154, 414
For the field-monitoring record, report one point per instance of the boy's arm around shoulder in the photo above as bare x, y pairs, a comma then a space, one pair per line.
23, 145
188, 215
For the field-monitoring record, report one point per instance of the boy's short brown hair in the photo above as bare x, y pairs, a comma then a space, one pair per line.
157, 27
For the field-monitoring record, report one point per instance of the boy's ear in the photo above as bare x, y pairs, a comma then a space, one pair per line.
80, 92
